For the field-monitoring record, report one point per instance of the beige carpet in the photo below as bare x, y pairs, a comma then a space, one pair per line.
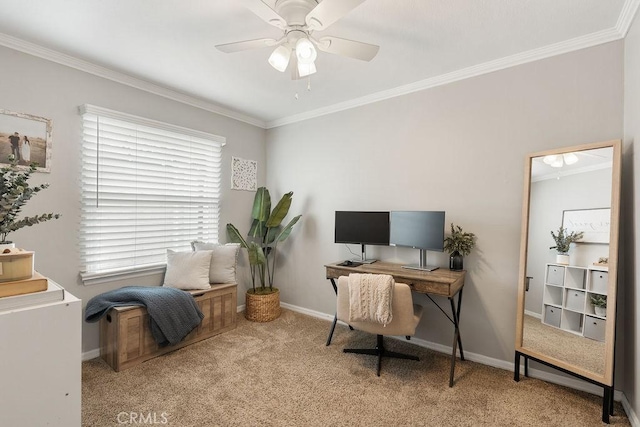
282, 374
571, 348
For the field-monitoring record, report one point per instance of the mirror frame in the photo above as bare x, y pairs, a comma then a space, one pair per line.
607, 377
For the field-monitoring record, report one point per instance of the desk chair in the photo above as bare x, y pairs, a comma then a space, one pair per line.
406, 317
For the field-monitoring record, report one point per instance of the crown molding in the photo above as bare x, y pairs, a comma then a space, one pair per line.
122, 78
628, 12
625, 19
590, 40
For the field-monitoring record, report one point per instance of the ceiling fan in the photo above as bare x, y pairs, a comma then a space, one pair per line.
298, 19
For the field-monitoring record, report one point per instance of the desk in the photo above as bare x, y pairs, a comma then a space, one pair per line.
440, 282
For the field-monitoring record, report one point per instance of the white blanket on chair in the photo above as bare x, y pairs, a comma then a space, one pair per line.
370, 298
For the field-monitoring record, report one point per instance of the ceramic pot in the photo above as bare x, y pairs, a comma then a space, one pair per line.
601, 311
4, 246
562, 259
456, 261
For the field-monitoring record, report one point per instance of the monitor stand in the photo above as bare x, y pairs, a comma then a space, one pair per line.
423, 263
364, 259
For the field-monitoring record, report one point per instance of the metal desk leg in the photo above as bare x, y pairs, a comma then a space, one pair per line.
516, 367
458, 324
335, 317
457, 340
333, 327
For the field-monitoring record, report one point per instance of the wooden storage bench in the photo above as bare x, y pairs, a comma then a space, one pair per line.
125, 335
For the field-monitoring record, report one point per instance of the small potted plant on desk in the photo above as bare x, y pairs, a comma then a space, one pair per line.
263, 302
599, 304
459, 245
563, 242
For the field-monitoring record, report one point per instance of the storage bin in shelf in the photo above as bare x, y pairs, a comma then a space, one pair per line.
552, 315
598, 281
574, 300
555, 275
595, 328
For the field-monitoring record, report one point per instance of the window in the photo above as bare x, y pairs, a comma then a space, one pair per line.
146, 187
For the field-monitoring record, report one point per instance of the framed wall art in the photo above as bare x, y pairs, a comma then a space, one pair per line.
27, 137
244, 174
594, 223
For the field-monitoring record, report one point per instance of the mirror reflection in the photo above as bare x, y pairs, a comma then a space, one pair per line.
570, 195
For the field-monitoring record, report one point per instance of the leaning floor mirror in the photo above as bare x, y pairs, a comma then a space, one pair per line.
568, 263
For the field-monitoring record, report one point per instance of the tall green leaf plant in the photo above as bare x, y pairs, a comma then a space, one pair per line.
264, 235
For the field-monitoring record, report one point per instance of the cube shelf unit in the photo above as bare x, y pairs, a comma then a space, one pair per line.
566, 302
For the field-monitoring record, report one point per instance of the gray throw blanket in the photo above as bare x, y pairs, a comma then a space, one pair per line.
173, 312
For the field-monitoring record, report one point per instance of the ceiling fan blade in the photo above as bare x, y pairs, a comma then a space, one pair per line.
246, 45
349, 48
266, 13
329, 11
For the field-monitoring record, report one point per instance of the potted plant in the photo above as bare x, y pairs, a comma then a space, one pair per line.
563, 242
459, 245
15, 192
263, 302
599, 304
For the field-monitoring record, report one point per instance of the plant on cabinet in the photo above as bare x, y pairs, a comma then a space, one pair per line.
15, 192
563, 243
599, 304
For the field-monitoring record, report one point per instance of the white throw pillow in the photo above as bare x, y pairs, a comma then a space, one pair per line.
187, 270
223, 260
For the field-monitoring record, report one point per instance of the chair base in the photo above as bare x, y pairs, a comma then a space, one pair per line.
381, 352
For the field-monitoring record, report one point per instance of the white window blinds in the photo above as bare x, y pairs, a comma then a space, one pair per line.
146, 187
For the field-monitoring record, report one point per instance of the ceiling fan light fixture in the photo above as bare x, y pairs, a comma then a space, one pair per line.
305, 51
279, 59
305, 70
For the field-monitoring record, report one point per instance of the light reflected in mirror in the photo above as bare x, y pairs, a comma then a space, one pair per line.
572, 191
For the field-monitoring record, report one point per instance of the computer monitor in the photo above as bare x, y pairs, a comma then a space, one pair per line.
422, 230
362, 228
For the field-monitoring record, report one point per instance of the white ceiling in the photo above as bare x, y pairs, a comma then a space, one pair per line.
167, 46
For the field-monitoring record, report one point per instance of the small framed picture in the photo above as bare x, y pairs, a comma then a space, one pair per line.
27, 137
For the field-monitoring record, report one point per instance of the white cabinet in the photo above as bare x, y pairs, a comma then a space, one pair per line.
40, 364
566, 300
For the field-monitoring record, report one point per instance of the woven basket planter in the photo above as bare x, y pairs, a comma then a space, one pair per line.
262, 308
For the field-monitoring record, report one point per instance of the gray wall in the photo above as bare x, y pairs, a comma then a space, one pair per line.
458, 148
630, 297
35, 86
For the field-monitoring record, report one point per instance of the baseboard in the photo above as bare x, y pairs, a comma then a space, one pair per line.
533, 314
633, 417
91, 354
